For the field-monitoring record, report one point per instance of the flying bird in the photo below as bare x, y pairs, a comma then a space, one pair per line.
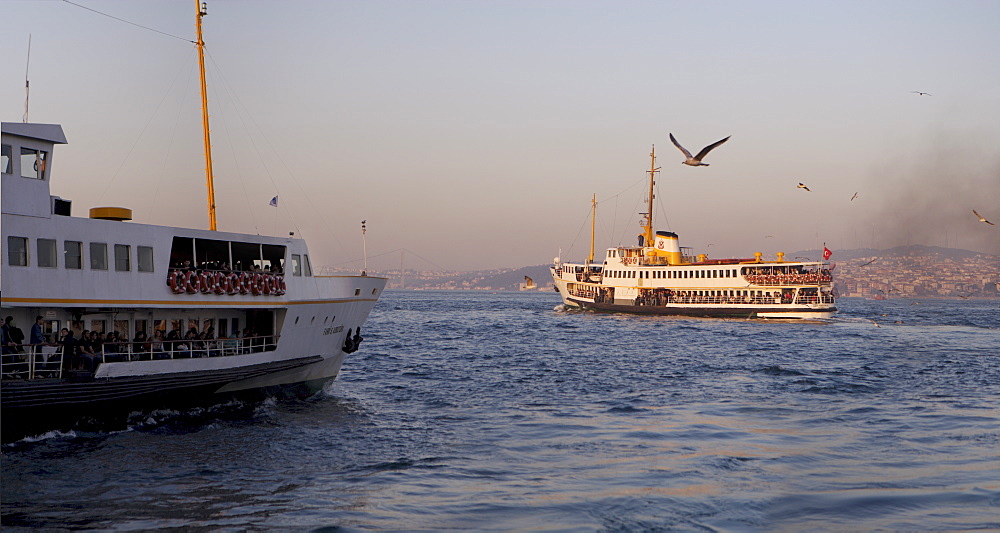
803, 186
922, 93
853, 197
696, 160
981, 219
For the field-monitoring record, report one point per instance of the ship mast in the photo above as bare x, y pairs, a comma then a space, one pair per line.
202, 9
648, 227
593, 216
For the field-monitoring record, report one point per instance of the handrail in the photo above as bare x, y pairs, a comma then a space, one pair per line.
23, 361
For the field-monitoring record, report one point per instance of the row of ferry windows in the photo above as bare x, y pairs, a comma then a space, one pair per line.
47, 255
674, 274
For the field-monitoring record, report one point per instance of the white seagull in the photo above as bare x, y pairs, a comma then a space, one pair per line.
803, 186
696, 160
918, 93
853, 197
981, 219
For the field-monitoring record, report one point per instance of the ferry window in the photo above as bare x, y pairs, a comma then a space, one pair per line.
121, 328
223, 327
306, 266
50, 329
17, 251
296, 265
98, 325
6, 157
122, 258
144, 254
46, 253
33, 163
357, 292
98, 256
73, 258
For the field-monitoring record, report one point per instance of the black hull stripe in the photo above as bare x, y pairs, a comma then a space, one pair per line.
40, 393
741, 312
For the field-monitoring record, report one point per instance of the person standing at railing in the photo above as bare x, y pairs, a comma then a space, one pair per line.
67, 347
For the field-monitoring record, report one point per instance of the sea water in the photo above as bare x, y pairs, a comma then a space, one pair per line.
502, 411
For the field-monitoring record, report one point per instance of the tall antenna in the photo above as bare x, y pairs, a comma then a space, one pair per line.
27, 87
209, 178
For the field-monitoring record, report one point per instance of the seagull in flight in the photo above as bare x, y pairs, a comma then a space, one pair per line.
918, 93
981, 219
853, 197
803, 186
695, 161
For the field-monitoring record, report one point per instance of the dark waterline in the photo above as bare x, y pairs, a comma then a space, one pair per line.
473, 410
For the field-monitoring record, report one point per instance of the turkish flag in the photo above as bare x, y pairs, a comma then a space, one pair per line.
826, 253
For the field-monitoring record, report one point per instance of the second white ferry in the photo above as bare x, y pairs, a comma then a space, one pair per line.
660, 277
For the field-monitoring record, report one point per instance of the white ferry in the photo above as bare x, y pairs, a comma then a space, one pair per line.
660, 277
176, 315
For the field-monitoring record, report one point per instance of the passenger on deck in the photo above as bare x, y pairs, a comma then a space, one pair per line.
67, 345
14, 336
140, 345
86, 357
156, 347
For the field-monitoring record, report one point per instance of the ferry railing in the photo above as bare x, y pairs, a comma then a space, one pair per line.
37, 361
28, 361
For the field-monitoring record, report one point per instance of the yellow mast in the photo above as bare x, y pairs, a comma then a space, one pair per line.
593, 216
648, 228
202, 9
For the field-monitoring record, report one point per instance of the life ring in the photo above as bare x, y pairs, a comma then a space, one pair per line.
244, 283
255, 283
217, 280
234, 283
205, 278
192, 282
176, 281
224, 283
279, 285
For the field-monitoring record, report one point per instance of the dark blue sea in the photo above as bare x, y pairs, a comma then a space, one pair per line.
482, 411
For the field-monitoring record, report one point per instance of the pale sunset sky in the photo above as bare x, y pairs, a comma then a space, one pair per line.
474, 133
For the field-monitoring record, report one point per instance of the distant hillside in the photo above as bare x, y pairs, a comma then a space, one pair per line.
913, 250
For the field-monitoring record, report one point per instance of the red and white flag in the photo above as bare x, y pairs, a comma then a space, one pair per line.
826, 252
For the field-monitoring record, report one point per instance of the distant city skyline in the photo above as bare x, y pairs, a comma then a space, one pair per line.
475, 134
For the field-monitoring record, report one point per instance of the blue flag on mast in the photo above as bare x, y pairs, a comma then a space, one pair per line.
273, 202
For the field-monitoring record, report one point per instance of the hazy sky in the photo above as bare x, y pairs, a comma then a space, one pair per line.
474, 133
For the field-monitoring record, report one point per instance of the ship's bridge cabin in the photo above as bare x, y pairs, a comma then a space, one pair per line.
25, 165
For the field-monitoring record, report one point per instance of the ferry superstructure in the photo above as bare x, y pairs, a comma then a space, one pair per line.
196, 313
659, 277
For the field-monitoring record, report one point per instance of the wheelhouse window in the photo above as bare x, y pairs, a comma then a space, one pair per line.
98, 256
144, 255
33, 163
296, 265
122, 258
307, 268
17, 251
73, 255
46, 253
6, 159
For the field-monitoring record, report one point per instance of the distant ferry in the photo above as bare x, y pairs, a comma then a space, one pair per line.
172, 315
660, 277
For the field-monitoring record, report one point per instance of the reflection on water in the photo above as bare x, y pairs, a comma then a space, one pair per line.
482, 411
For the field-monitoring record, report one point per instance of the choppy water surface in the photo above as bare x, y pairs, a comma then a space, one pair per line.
496, 411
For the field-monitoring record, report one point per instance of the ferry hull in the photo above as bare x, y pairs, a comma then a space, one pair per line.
706, 312
31, 407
